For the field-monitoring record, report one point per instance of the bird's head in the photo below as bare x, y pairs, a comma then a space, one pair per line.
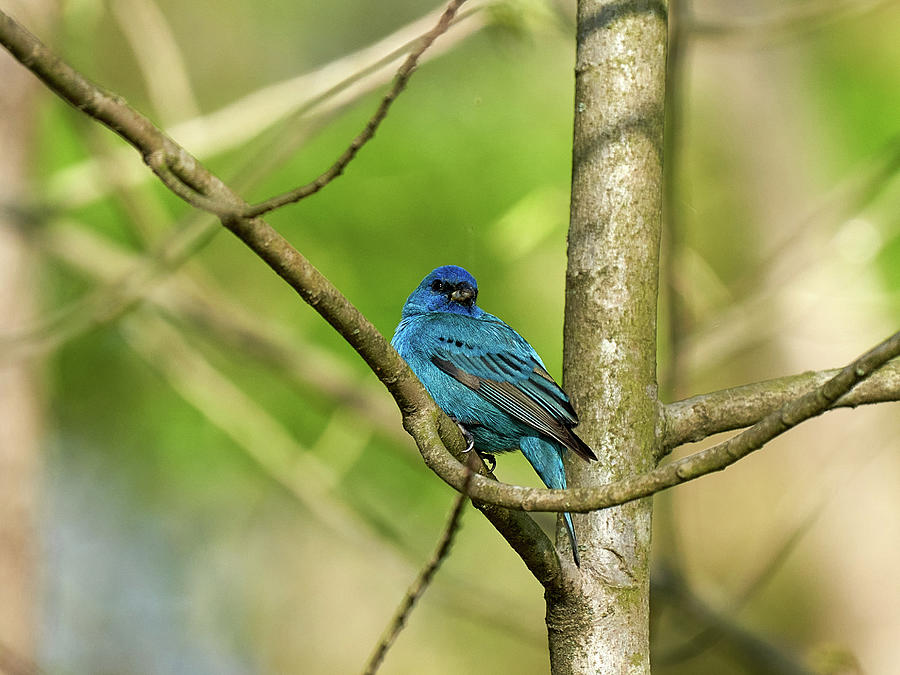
445, 289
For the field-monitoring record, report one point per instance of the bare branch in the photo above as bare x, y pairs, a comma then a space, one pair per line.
403, 74
695, 418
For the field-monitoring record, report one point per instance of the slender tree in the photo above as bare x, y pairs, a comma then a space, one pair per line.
602, 625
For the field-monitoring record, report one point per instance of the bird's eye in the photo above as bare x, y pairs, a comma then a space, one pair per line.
437, 285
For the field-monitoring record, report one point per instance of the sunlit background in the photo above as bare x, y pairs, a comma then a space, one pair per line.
223, 487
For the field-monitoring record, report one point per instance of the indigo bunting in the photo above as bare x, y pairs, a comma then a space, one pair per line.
486, 377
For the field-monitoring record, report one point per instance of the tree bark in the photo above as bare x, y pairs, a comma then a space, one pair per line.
601, 625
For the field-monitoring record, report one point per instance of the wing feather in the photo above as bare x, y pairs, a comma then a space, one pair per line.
518, 385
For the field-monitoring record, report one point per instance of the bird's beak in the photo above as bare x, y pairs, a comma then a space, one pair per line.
463, 294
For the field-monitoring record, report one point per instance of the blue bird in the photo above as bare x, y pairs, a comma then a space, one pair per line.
486, 377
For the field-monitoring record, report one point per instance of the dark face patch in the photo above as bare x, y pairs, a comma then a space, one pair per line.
466, 295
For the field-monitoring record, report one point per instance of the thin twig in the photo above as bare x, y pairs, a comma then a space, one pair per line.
420, 585
159, 161
403, 74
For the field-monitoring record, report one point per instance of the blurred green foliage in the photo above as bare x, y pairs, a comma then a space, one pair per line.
170, 550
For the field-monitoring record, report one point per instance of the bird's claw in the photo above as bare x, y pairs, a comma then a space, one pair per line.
489, 460
470, 439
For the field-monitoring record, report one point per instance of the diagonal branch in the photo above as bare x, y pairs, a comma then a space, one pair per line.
695, 418
758, 654
708, 636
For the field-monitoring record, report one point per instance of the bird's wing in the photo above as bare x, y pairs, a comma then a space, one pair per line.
511, 377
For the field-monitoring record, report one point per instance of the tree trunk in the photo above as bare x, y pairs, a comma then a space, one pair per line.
20, 409
610, 326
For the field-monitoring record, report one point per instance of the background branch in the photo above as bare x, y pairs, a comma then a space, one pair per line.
218, 318
759, 654
264, 439
788, 22
713, 631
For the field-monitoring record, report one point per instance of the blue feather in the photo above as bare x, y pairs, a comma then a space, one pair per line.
486, 376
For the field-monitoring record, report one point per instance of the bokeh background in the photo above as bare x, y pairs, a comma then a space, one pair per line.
217, 483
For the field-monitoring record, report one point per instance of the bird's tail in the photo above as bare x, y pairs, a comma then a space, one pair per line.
546, 459
570, 528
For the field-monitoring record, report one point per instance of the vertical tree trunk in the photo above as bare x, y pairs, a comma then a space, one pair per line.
610, 325
19, 402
